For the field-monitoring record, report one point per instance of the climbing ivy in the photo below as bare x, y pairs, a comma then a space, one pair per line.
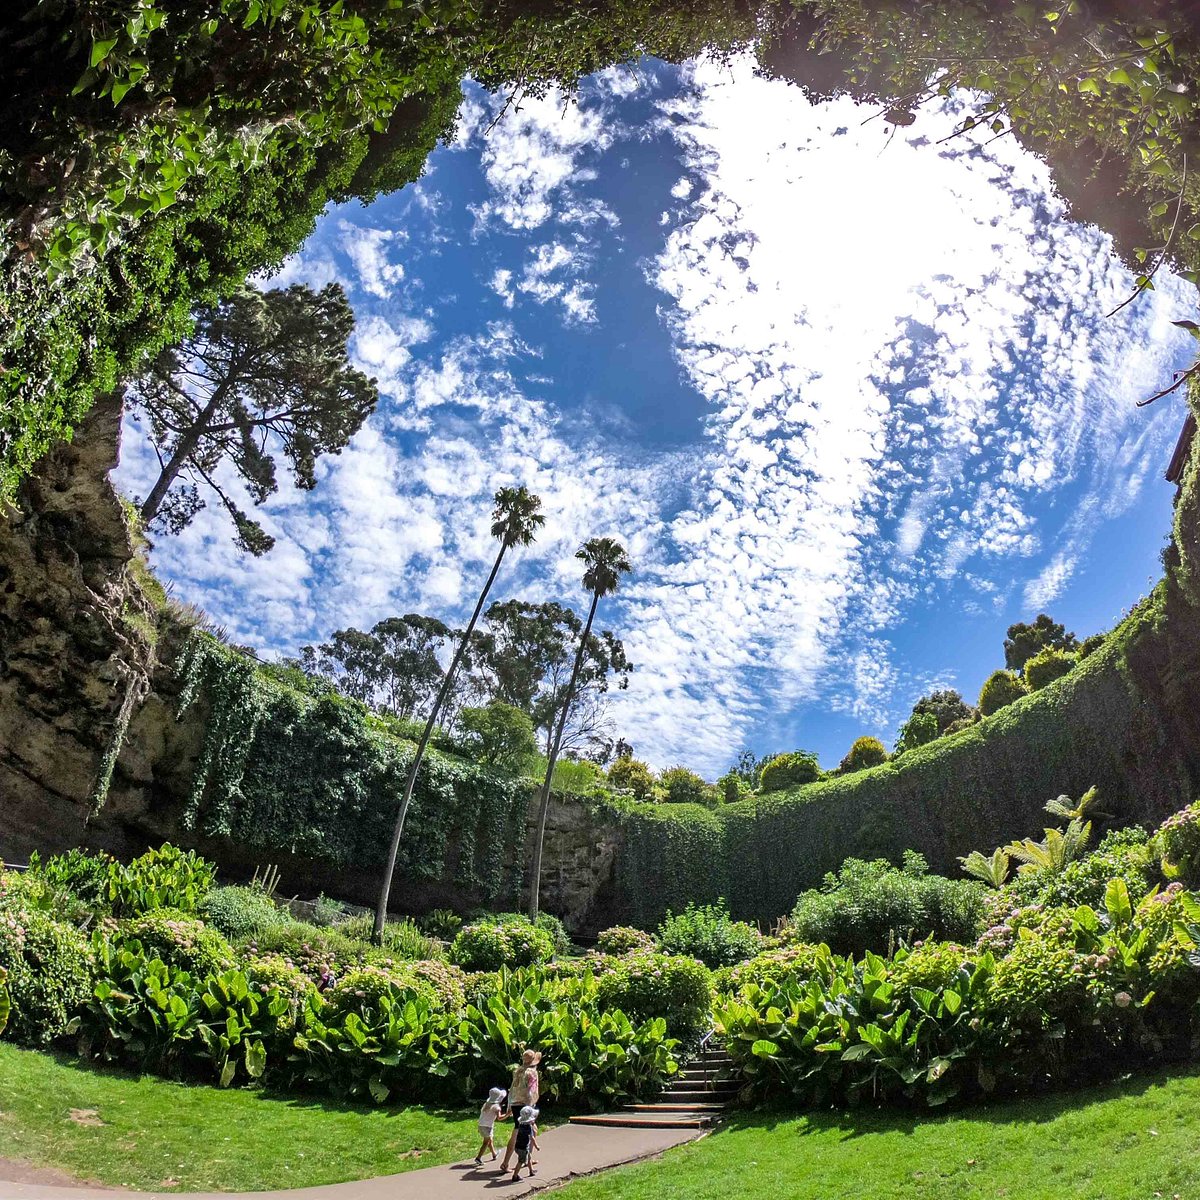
320, 777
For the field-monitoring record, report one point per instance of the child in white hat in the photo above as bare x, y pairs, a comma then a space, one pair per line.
526, 1140
491, 1112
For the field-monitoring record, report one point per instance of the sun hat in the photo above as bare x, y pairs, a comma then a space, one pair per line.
529, 1114
531, 1058
496, 1095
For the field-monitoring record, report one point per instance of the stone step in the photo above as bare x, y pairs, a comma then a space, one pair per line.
698, 1074
690, 1119
700, 1096
670, 1108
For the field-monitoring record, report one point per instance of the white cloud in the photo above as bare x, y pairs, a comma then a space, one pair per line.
367, 250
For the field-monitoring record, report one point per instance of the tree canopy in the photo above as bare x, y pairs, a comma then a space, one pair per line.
263, 374
1024, 640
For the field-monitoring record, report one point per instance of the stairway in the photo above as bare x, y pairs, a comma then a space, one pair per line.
695, 1098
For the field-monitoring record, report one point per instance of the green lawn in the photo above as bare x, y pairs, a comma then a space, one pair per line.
153, 1131
1135, 1140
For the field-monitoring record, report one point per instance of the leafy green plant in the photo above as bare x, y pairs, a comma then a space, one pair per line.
402, 939
241, 912
84, 875
327, 912
623, 939
629, 774
164, 878
441, 923
5, 1001
480, 948
1121, 854
709, 933
1058, 848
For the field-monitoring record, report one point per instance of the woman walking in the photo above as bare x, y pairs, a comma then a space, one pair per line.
522, 1091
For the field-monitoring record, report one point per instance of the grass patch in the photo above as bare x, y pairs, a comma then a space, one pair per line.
1128, 1141
204, 1139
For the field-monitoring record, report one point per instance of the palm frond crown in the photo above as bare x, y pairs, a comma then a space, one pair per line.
605, 562
517, 516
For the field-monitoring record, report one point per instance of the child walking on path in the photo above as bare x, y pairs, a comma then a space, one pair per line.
491, 1112
526, 1142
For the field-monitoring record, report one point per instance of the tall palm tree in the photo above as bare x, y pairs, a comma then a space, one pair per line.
605, 561
516, 519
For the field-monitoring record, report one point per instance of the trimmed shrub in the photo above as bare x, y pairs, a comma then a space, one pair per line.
488, 947
1046, 666
789, 770
959, 725
49, 974
660, 985
623, 939
546, 922
241, 912
682, 786
999, 690
448, 982
180, 941
362, 991
866, 752
1178, 841
876, 906
1090, 645
707, 932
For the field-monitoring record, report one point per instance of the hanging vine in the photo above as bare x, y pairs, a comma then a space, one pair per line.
315, 775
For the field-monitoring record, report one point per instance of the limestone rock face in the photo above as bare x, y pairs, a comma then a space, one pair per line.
74, 635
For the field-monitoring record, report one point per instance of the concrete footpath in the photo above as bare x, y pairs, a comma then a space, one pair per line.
566, 1152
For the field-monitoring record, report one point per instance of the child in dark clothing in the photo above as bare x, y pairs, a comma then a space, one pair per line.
526, 1141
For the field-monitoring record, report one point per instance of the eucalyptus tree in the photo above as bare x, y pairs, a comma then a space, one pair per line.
605, 561
263, 373
516, 519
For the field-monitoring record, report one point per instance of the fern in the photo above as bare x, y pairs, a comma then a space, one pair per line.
1069, 810
993, 871
1058, 848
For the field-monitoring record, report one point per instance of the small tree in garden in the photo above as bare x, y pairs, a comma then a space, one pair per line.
632, 775
605, 561
498, 735
947, 706
516, 518
1046, 666
683, 786
789, 770
264, 373
919, 730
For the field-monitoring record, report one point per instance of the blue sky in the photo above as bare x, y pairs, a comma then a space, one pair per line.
851, 401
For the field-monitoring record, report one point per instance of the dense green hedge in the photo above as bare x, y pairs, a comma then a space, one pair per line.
320, 778
1120, 721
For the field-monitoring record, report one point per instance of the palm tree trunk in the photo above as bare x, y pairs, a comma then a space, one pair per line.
535, 880
183, 451
385, 887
